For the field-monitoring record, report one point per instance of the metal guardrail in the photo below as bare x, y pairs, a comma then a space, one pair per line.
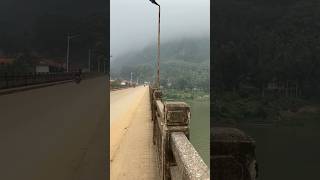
176, 156
18, 80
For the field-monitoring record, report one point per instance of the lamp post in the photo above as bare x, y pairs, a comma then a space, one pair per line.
131, 80
68, 49
158, 57
108, 64
89, 60
104, 65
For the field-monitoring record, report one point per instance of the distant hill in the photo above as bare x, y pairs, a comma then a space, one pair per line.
184, 63
41, 27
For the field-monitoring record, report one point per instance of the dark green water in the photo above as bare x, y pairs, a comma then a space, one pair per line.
291, 153
200, 128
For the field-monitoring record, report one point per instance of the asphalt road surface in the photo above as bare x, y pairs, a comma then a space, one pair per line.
55, 133
132, 154
121, 101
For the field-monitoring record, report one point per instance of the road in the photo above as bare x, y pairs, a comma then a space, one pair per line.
120, 99
55, 133
132, 154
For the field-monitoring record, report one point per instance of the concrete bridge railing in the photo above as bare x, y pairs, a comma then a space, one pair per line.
177, 158
26, 79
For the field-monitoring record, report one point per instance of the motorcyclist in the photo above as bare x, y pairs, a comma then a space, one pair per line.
78, 76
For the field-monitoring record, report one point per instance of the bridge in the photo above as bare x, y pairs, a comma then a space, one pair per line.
56, 129
54, 132
149, 137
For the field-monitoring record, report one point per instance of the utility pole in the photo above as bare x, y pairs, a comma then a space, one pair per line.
158, 59
98, 65
158, 67
89, 60
131, 79
109, 64
104, 66
68, 49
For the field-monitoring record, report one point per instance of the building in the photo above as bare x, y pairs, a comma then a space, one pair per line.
42, 69
48, 65
6, 60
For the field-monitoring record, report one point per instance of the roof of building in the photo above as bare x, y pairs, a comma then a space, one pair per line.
50, 62
6, 60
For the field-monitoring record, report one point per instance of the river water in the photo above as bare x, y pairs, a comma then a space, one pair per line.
283, 153
200, 128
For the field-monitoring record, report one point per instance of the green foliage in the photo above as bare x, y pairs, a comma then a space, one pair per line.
115, 84
47, 37
184, 64
232, 107
257, 42
185, 95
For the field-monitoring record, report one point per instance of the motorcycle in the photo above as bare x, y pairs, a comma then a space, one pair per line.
77, 79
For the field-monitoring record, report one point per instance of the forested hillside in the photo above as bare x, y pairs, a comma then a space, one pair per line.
184, 64
33, 29
266, 57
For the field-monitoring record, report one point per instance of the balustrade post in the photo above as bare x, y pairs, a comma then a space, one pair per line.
156, 95
176, 119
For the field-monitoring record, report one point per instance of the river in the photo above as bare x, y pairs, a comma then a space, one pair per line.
200, 128
287, 152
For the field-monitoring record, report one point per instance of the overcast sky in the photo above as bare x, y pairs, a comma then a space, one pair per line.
134, 22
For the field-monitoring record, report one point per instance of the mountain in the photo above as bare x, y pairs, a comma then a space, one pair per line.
184, 63
41, 27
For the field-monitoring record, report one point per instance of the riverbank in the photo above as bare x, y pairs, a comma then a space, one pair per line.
232, 108
186, 95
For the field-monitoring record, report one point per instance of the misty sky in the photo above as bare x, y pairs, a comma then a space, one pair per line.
133, 23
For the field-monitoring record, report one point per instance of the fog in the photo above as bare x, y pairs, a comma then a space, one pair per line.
133, 23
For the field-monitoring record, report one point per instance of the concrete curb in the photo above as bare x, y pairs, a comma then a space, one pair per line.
25, 88
117, 89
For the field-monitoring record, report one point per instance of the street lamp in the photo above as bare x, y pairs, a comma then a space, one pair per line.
68, 49
89, 60
158, 59
131, 80
104, 65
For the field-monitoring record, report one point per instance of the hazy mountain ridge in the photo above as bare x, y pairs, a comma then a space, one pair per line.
34, 29
184, 63
192, 50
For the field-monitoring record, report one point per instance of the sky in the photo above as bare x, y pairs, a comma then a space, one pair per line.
133, 23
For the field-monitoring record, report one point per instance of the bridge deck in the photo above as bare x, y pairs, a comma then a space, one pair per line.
54, 133
132, 155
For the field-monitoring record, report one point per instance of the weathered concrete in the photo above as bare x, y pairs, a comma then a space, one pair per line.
175, 153
160, 108
232, 154
190, 164
177, 113
57, 132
